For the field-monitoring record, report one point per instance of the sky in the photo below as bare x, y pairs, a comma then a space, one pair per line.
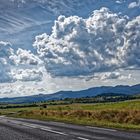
48, 46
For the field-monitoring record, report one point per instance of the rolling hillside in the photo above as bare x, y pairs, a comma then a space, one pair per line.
127, 90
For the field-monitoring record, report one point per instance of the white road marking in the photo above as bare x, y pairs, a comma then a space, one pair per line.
97, 137
29, 125
38, 126
2, 116
57, 123
34, 125
106, 129
81, 138
57, 132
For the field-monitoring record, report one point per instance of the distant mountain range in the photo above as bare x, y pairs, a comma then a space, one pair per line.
120, 89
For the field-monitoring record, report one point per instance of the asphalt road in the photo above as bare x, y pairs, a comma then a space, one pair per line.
24, 129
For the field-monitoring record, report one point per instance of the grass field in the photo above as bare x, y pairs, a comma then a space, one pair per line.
124, 115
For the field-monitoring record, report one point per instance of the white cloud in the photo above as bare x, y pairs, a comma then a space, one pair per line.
21, 65
119, 1
134, 4
113, 75
5, 53
131, 48
79, 53
103, 42
25, 57
28, 67
110, 75
27, 74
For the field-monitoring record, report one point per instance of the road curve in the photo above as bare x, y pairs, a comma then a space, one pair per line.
27, 129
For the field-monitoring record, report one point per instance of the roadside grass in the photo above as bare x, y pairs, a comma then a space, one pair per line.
16, 110
130, 105
123, 115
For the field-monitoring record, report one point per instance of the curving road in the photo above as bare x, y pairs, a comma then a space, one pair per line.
25, 129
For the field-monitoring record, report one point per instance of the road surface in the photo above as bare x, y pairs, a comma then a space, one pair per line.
27, 129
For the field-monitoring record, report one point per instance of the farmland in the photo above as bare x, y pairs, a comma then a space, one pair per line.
122, 115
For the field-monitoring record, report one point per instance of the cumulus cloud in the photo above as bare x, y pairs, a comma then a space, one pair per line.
134, 4
28, 67
27, 75
131, 48
105, 41
5, 53
25, 57
21, 65
108, 76
113, 75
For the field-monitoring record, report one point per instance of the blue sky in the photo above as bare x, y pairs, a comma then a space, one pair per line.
48, 46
